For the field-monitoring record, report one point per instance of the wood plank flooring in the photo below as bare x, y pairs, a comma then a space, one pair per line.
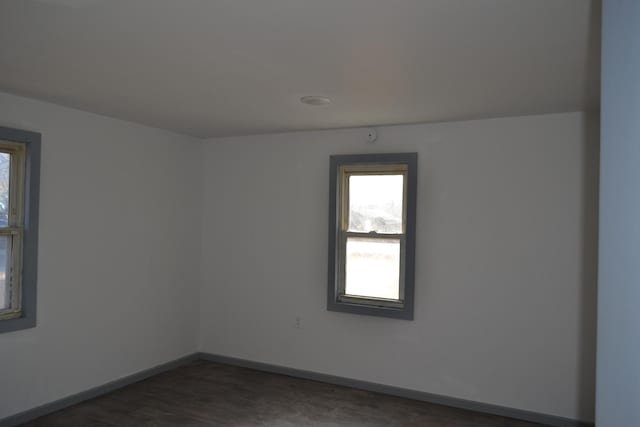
210, 394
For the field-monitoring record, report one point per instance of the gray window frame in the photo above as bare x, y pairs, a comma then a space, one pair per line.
336, 300
32, 144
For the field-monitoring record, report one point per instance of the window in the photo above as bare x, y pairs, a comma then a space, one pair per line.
19, 187
372, 217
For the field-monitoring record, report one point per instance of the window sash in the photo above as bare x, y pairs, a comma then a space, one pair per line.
342, 269
346, 171
14, 274
15, 228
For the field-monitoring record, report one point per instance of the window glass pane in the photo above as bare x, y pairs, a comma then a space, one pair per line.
5, 165
373, 267
375, 203
5, 301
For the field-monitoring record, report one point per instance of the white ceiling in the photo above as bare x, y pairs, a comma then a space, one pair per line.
235, 67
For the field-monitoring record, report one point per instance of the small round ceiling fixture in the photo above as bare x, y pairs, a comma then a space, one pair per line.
315, 100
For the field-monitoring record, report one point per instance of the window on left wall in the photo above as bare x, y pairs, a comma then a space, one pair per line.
19, 194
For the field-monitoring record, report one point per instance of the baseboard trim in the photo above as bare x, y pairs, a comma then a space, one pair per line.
47, 408
545, 419
39, 411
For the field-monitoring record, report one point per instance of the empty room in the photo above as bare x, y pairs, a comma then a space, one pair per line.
320, 213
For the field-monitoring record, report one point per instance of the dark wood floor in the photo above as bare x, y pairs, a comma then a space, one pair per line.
210, 394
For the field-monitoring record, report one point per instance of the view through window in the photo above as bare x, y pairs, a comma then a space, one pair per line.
5, 167
375, 226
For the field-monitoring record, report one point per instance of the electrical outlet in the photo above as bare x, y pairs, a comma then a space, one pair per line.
297, 322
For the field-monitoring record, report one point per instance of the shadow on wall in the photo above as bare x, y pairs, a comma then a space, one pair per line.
588, 297
590, 205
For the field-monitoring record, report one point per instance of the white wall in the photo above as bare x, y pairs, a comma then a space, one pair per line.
618, 392
506, 255
118, 254
505, 286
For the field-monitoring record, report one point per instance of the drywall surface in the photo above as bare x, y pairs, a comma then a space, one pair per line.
618, 391
118, 254
505, 274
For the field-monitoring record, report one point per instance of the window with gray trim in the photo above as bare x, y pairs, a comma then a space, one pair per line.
372, 220
19, 192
